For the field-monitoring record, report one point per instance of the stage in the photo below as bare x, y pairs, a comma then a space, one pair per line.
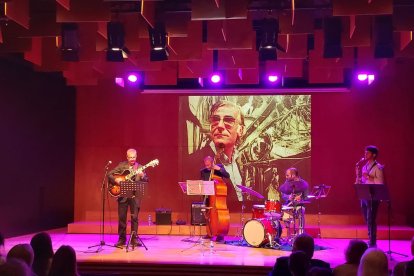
184, 255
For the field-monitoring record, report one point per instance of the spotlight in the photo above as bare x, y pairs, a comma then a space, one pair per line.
367, 78
130, 80
215, 78
362, 77
133, 78
158, 42
272, 78
120, 82
70, 42
267, 32
116, 42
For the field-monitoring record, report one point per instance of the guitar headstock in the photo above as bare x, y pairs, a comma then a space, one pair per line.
153, 163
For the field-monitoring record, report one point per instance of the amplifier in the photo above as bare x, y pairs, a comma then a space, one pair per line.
198, 210
163, 216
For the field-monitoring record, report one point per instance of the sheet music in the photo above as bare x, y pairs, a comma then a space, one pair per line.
200, 187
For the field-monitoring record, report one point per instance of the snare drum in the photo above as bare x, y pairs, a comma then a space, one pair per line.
258, 211
273, 206
257, 232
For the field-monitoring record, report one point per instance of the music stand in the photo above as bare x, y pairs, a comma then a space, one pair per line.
377, 192
200, 188
320, 191
133, 189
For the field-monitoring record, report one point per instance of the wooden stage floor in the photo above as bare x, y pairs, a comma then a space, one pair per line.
175, 255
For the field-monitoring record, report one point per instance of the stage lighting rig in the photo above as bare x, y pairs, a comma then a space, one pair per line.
267, 33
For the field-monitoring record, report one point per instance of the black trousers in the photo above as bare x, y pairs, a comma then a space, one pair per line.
134, 206
370, 217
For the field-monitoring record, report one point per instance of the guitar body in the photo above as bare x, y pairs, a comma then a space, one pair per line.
115, 188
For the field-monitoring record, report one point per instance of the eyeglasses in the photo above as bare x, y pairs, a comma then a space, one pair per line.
228, 121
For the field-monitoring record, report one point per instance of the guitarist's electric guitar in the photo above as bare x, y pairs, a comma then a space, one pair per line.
128, 175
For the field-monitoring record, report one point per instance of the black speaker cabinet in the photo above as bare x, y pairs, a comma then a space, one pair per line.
163, 216
197, 213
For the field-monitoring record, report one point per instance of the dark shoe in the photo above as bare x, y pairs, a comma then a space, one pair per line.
206, 237
120, 243
220, 239
135, 242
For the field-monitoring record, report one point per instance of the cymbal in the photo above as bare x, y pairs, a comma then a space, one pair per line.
294, 187
249, 191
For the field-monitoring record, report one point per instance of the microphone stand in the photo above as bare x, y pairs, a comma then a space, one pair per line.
102, 226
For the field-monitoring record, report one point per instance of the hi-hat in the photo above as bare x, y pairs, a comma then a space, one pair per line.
249, 191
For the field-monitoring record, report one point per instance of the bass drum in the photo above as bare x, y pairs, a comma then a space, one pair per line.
258, 232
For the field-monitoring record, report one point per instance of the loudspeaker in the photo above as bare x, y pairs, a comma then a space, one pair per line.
332, 31
197, 213
163, 216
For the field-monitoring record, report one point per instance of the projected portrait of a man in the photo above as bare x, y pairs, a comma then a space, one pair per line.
254, 137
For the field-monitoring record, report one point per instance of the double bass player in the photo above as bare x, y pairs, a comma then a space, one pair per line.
212, 171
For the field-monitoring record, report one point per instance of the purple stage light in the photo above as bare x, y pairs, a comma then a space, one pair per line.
362, 77
215, 78
272, 78
366, 78
132, 78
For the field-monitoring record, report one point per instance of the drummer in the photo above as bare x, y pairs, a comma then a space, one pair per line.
295, 191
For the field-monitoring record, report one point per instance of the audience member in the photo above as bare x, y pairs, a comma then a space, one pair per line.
409, 268
305, 243
15, 267
2, 250
64, 262
23, 252
373, 262
319, 271
353, 254
400, 268
298, 263
43, 253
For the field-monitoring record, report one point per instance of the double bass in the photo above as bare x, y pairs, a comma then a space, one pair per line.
218, 217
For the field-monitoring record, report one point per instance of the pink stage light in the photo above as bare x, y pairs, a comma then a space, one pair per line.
120, 82
371, 78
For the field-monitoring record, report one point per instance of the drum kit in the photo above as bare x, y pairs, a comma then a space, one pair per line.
264, 229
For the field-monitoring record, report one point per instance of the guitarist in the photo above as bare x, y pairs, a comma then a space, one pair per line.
133, 203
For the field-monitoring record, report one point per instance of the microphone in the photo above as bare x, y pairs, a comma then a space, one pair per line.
360, 161
109, 163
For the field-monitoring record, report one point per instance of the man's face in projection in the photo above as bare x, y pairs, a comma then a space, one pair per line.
225, 126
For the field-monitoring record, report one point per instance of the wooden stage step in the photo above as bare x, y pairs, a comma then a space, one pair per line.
327, 231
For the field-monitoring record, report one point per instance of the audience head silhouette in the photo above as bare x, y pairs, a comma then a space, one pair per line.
305, 243
64, 262
298, 263
373, 262
43, 253
354, 251
23, 252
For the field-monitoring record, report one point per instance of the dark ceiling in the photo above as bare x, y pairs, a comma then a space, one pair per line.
317, 42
